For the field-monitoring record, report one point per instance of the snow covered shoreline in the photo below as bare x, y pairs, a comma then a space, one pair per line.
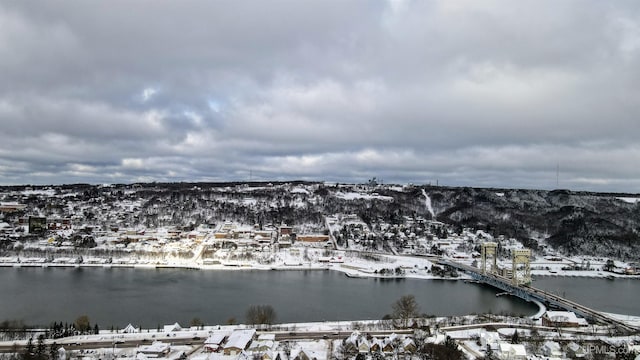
354, 271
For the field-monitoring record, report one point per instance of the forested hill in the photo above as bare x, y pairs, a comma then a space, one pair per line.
573, 222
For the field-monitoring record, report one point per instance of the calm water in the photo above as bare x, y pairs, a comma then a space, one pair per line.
618, 296
153, 297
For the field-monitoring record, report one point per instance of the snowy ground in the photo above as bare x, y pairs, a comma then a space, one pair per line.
304, 258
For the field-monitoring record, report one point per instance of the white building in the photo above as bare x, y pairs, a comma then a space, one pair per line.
551, 349
171, 328
508, 351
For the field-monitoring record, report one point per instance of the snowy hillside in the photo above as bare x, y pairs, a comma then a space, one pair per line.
571, 222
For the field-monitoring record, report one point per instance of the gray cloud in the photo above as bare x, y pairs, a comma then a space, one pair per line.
464, 93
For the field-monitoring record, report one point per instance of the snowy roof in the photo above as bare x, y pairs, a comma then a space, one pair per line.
574, 347
353, 338
216, 338
364, 344
513, 349
564, 316
269, 336
130, 329
489, 336
407, 342
158, 347
174, 327
312, 349
239, 339
262, 345
551, 345
389, 339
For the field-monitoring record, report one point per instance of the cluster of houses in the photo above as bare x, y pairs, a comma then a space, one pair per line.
237, 341
250, 344
391, 344
502, 349
553, 350
247, 344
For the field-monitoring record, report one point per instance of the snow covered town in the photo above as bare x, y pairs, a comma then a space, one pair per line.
366, 230
558, 335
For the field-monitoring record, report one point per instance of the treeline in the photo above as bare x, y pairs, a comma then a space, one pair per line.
39, 350
13, 329
17, 329
60, 330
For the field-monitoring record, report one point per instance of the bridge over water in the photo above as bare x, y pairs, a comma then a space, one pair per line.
530, 293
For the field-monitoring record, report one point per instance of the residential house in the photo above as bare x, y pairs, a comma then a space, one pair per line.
389, 343
309, 351
354, 338
261, 346
130, 329
157, 349
376, 345
551, 349
62, 354
490, 339
575, 351
508, 351
214, 342
238, 341
172, 328
268, 355
364, 346
409, 346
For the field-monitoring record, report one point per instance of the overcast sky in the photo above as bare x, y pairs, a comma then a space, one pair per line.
473, 93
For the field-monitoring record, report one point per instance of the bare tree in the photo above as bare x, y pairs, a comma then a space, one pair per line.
261, 314
196, 322
82, 323
404, 309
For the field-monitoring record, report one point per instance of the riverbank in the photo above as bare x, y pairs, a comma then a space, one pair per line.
349, 271
582, 274
353, 267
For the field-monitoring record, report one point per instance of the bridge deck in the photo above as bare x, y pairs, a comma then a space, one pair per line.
529, 293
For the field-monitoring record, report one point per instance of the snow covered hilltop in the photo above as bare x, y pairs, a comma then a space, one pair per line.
183, 221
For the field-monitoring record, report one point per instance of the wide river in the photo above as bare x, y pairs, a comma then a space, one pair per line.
150, 298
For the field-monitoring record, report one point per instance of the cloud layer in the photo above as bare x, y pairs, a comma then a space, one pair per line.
460, 93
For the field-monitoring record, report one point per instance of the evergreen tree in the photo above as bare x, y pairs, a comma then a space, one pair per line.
53, 351
40, 349
515, 338
489, 353
28, 351
449, 343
